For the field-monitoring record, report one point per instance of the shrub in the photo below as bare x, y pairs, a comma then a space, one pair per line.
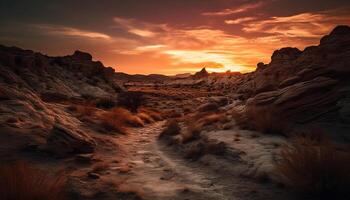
82, 110
20, 181
171, 128
118, 118
193, 132
127, 117
203, 147
106, 103
145, 117
111, 123
210, 119
313, 165
131, 100
267, 120
156, 115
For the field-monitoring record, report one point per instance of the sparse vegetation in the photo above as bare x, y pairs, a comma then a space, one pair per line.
313, 165
192, 133
154, 114
131, 100
267, 120
117, 120
203, 147
210, 119
172, 128
106, 103
82, 110
20, 181
145, 117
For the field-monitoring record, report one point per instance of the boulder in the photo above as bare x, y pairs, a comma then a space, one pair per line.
201, 74
208, 107
301, 100
63, 141
82, 56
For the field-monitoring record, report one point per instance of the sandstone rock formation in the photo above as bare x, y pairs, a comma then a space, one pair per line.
30, 82
305, 83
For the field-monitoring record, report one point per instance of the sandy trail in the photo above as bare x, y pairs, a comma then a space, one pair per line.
163, 174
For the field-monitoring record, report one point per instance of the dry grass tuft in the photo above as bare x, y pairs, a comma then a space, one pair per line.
118, 119
145, 117
154, 114
313, 165
82, 110
267, 120
131, 100
112, 123
197, 150
211, 119
192, 133
106, 103
172, 128
20, 181
127, 117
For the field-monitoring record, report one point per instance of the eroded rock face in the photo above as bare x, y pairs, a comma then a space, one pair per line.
64, 141
302, 100
71, 76
303, 84
30, 86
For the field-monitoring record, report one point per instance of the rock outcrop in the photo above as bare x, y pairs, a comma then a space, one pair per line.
64, 141
30, 86
201, 74
304, 84
70, 76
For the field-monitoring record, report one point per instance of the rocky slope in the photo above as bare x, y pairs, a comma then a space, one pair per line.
304, 84
30, 81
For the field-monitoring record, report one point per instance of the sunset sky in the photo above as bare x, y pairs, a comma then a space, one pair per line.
170, 36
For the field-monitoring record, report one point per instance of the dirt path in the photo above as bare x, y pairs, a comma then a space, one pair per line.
162, 174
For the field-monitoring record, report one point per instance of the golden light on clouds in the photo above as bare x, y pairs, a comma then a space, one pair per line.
221, 36
68, 31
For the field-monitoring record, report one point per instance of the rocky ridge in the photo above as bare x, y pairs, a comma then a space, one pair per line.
30, 81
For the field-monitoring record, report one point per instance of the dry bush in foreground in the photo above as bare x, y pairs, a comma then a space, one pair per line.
145, 117
20, 181
112, 124
117, 120
154, 114
171, 128
314, 166
193, 132
211, 119
106, 103
82, 110
205, 146
127, 117
267, 120
131, 100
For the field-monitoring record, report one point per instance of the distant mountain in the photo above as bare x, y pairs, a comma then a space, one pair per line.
201, 74
123, 77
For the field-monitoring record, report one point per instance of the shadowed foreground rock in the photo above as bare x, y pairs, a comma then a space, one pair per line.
63, 141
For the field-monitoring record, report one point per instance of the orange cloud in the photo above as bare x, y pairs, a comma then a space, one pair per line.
239, 20
235, 10
68, 31
300, 25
